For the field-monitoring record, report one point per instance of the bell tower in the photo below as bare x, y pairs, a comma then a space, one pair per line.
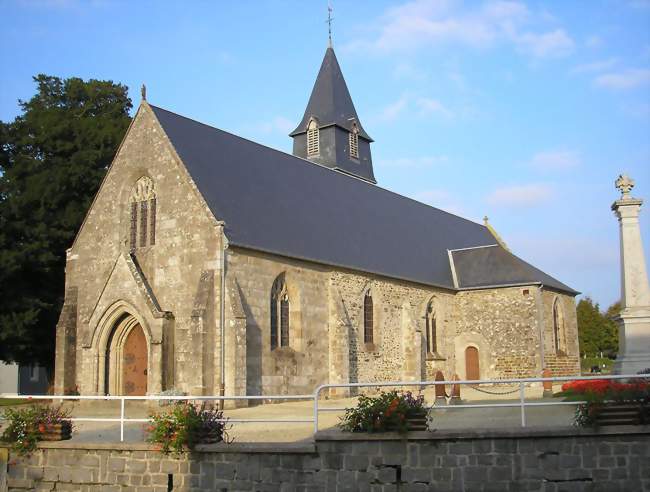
330, 132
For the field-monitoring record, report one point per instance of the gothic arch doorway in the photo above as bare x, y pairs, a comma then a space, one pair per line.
127, 359
472, 370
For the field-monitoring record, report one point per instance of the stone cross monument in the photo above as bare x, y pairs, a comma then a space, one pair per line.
634, 319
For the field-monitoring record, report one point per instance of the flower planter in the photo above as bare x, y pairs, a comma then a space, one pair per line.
628, 413
208, 437
416, 422
55, 432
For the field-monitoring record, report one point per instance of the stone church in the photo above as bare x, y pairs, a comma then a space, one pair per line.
209, 262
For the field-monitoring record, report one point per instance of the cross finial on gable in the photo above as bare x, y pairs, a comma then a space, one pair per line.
143, 92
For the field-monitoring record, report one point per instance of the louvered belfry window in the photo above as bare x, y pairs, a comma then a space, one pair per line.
354, 142
313, 139
280, 314
142, 230
367, 319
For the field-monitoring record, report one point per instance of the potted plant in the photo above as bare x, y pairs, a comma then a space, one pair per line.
608, 402
389, 411
28, 425
184, 426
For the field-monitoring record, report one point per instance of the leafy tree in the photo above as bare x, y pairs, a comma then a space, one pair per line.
52, 160
597, 332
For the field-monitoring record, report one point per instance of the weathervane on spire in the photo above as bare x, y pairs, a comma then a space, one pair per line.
329, 22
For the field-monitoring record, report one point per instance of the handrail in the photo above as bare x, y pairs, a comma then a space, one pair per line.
521, 382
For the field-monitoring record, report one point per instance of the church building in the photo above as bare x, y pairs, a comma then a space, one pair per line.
209, 262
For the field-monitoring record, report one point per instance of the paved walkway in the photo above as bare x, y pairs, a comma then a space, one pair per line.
444, 418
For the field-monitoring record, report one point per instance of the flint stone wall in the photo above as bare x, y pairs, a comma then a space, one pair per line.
543, 460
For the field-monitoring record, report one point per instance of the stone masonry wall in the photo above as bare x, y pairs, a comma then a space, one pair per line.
302, 366
399, 310
549, 461
566, 362
187, 245
503, 325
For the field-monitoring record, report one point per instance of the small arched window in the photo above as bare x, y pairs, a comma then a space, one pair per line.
313, 139
143, 214
558, 327
279, 314
431, 329
368, 322
354, 142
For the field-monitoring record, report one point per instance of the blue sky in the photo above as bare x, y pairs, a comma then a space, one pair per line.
522, 111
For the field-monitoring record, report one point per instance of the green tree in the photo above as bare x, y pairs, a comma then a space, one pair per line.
597, 331
52, 159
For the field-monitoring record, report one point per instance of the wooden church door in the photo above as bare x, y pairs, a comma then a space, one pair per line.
472, 371
134, 364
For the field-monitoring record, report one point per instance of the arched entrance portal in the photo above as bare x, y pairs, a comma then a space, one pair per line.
472, 371
134, 363
127, 359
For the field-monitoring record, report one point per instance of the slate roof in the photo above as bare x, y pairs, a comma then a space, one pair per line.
330, 101
278, 203
493, 265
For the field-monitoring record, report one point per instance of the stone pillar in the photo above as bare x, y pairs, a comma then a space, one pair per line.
236, 367
634, 319
65, 367
339, 345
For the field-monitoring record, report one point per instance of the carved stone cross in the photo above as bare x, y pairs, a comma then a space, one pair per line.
625, 184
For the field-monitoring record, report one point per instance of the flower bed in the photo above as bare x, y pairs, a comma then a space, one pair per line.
608, 402
181, 428
389, 411
27, 426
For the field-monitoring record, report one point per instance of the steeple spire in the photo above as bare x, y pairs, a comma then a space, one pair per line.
342, 143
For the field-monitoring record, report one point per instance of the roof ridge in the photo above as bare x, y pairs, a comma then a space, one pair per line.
319, 166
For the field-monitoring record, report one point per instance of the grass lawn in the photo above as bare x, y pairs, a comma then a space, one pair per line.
10, 402
585, 365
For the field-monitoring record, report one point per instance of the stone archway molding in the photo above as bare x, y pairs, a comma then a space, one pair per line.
114, 326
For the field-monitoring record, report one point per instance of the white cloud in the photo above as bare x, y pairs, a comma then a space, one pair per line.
409, 103
393, 110
412, 162
555, 160
639, 110
553, 44
428, 106
527, 195
596, 66
428, 23
279, 124
626, 79
639, 4
406, 71
593, 41
441, 199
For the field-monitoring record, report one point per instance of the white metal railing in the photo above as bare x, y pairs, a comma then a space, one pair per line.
522, 403
315, 397
122, 399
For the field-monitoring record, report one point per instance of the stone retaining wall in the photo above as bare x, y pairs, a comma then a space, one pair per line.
545, 460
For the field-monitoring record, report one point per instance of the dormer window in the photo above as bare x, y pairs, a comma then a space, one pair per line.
143, 214
313, 137
354, 142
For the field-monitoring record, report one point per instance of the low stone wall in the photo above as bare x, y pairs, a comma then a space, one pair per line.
612, 459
